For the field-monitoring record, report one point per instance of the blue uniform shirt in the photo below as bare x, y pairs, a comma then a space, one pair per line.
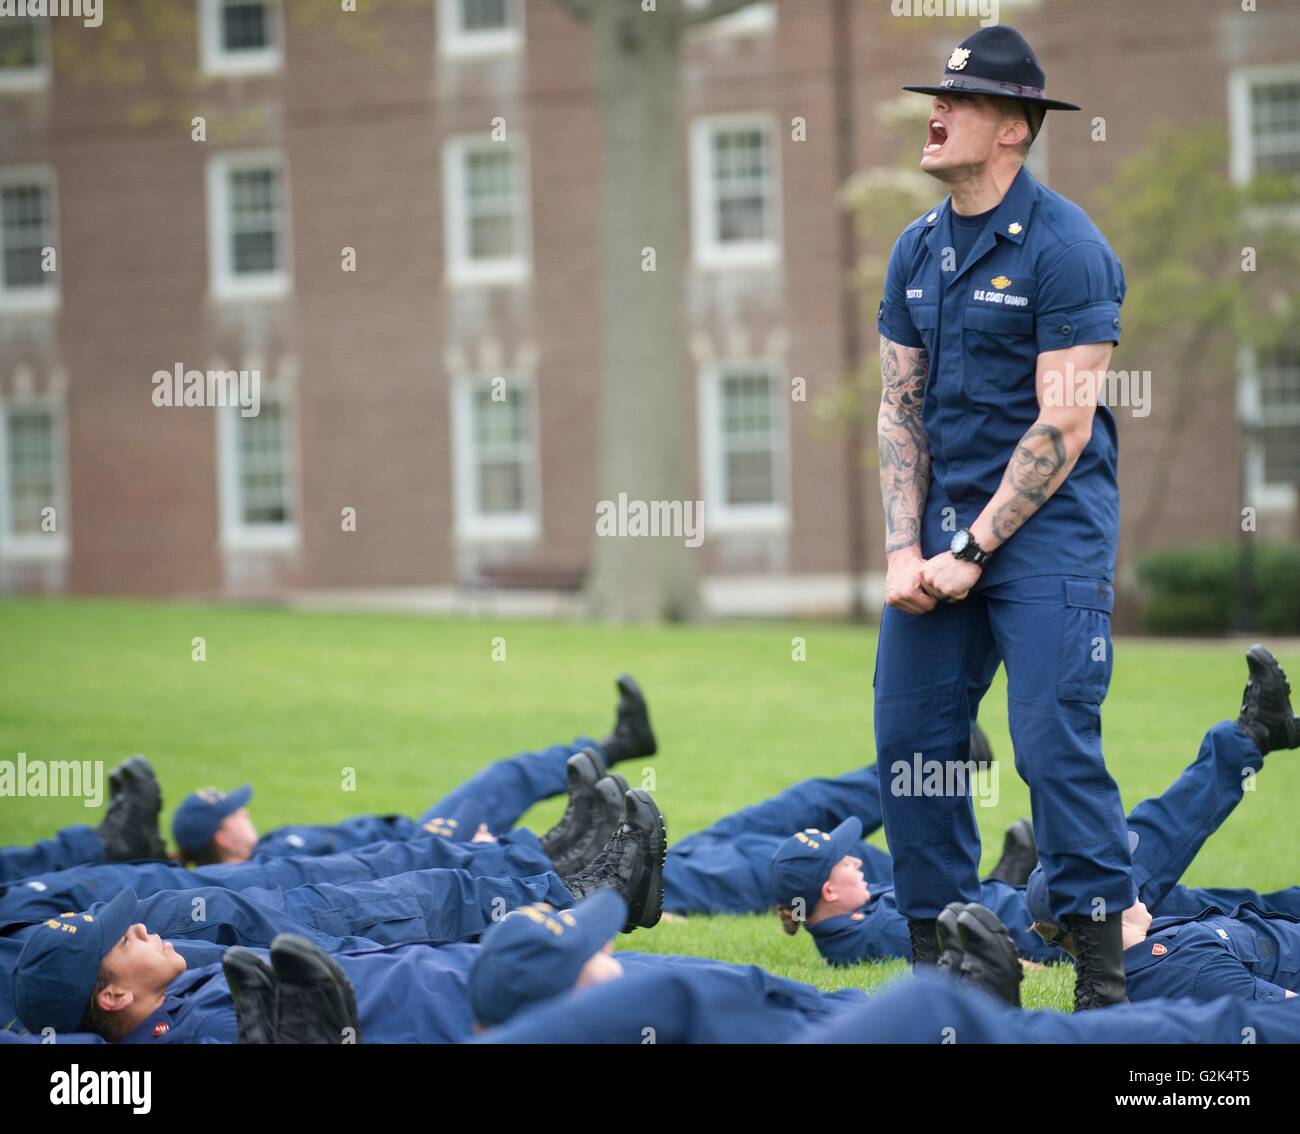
1039, 277
1215, 954
411, 993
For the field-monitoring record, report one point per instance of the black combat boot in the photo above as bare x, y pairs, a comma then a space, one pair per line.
314, 1000
1266, 704
129, 829
1019, 855
990, 959
631, 864
583, 771
980, 749
252, 987
949, 939
1099, 955
632, 738
925, 942
604, 816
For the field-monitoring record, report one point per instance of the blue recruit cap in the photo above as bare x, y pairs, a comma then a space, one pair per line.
805, 860
201, 813
536, 952
56, 971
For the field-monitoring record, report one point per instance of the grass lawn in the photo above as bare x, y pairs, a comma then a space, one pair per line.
286, 701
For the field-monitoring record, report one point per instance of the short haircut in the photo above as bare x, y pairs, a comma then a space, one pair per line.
1033, 116
95, 1019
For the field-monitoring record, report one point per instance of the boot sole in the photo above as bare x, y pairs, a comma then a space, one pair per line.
649, 902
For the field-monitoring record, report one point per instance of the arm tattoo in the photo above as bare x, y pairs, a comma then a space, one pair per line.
904, 448
1033, 468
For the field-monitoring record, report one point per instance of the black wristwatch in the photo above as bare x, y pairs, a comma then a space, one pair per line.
963, 546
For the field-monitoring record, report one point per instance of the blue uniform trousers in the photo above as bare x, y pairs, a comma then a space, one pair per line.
932, 1008
726, 868
70, 847
517, 854
1052, 632
679, 1000
1173, 827
499, 795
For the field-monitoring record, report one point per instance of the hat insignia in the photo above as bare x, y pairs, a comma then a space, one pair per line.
1000, 282
1015, 227
957, 60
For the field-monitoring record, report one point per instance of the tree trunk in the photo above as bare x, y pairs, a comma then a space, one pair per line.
645, 408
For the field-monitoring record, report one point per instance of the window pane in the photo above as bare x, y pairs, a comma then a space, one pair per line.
749, 440
1275, 127
26, 230
747, 405
742, 184
245, 25
19, 46
263, 464
500, 487
1279, 380
1282, 454
254, 220
491, 237
750, 479
32, 483
502, 450
484, 15
491, 203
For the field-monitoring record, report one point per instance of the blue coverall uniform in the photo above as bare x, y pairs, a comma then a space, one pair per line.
1040, 277
423, 905
517, 854
501, 793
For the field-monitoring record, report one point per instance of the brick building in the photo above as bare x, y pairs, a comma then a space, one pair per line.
333, 140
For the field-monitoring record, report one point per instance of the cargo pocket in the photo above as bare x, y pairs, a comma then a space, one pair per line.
1085, 651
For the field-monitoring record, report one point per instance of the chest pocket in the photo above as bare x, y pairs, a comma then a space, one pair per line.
925, 318
998, 337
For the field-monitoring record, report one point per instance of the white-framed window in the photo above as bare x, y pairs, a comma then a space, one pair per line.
33, 480
257, 463
735, 191
495, 458
28, 226
24, 53
1269, 401
248, 230
1264, 117
240, 37
468, 28
744, 448
485, 211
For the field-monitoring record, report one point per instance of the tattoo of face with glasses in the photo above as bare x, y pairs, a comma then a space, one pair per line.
1034, 465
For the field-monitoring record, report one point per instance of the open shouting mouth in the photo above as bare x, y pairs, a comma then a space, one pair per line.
937, 136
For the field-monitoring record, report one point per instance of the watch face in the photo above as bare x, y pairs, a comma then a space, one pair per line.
959, 542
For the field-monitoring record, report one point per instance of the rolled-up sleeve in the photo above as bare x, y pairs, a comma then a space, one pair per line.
893, 319
1079, 296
